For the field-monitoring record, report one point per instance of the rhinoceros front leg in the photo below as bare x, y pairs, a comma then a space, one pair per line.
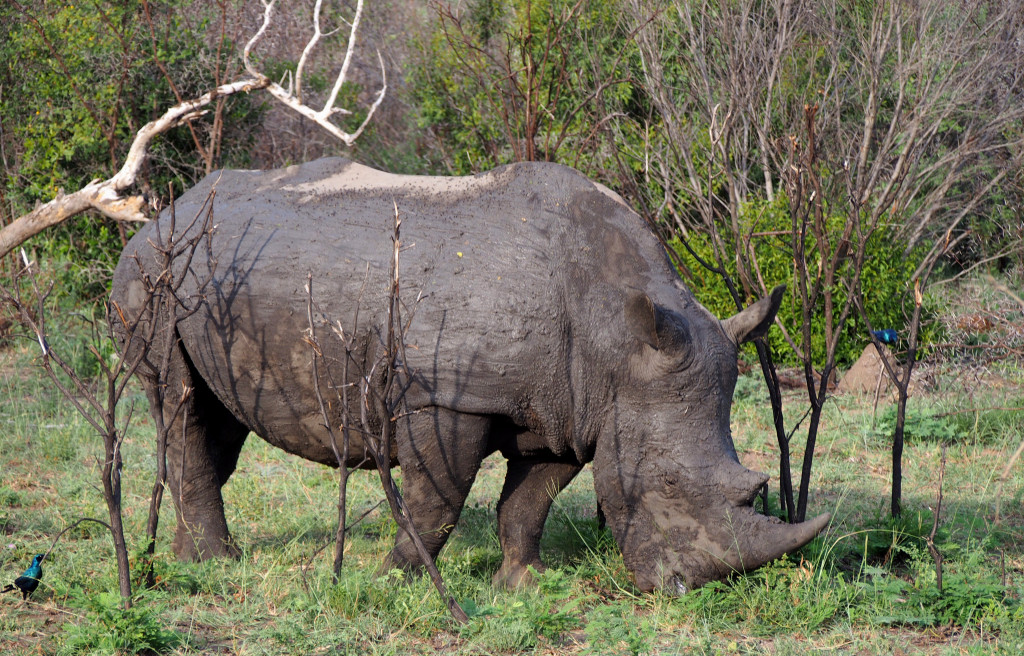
203, 444
530, 488
440, 452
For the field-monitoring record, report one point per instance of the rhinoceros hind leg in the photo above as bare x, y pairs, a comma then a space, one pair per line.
530, 488
202, 450
440, 452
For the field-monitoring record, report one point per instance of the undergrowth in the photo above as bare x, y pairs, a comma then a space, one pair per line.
108, 628
868, 585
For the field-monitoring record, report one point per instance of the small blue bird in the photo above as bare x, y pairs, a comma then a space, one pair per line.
29, 580
887, 336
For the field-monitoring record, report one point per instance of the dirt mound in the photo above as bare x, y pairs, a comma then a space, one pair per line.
868, 374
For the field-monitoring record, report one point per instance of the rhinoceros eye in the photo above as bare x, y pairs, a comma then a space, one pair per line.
675, 342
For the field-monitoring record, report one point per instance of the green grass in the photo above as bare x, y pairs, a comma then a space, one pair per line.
867, 586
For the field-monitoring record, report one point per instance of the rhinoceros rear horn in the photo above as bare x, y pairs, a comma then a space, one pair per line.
754, 320
740, 484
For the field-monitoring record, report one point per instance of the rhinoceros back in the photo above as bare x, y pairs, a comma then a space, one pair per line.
496, 270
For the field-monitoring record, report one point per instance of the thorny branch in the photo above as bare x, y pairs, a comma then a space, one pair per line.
386, 401
167, 308
932, 549
381, 397
342, 455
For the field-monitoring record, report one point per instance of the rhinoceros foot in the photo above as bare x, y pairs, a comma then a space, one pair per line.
512, 576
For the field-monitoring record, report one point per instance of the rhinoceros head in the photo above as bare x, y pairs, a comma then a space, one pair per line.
666, 472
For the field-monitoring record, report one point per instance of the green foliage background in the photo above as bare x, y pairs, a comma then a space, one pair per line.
884, 282
78, 80
470, 80
462, 98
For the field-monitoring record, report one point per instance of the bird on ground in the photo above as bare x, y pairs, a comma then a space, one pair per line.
887, 336
29, 579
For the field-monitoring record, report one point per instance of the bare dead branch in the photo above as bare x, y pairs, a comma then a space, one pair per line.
142, 344
321, 117
166, 308
97, 408
104, 196
1004, 476
932, 549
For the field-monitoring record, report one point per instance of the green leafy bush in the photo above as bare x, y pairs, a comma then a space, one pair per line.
971, 595
885, 281
781, 597
918, 425
619, 629
518, 620
110, 629
896, 539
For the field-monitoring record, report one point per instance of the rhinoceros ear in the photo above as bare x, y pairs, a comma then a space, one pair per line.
642, 319
754, 320
661, 330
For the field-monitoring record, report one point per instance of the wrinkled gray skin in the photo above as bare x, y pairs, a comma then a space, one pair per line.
551, 328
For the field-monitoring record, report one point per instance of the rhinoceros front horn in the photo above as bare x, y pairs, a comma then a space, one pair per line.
777, 538
696, 539
757, 540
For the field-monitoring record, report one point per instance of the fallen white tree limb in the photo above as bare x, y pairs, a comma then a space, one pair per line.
105, 196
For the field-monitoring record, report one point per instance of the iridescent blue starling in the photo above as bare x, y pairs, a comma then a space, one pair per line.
29, 579
887, 336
